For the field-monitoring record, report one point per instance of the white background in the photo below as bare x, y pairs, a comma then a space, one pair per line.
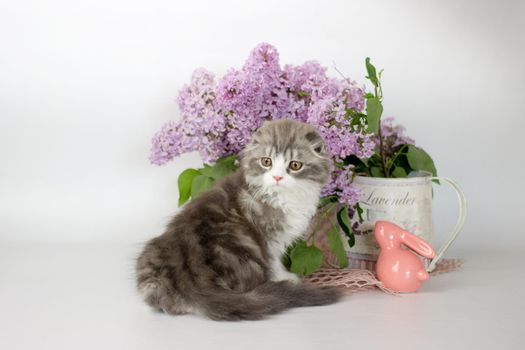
85, 85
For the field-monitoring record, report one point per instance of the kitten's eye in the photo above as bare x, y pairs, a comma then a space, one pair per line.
266, 162
295, 165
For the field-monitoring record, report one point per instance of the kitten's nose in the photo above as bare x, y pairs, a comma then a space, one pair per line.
277, 178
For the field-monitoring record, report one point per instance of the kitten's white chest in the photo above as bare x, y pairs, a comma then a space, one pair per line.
298, 209
297, 220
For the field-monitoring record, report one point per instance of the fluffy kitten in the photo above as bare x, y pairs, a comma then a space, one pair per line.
220, 255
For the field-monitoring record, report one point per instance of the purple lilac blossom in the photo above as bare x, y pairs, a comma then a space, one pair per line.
393, 135
340, 186
218, 117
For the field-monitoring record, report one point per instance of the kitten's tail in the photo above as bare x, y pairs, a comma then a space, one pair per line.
268, 298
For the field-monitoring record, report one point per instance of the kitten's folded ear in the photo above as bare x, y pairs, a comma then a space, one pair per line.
255, 137
317, 142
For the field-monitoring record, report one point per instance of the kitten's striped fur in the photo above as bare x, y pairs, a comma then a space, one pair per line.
220, 255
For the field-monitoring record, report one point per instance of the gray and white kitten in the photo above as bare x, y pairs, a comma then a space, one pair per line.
220, 256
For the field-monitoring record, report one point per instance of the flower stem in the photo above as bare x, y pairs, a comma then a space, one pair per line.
393, 159
382, 150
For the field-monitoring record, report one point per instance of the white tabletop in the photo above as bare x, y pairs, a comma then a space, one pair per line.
82, 296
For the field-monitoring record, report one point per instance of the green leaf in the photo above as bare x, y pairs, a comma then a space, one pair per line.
402, 161
221, 168
374, 109
185, 181
376, 171
364, 161
360, 165
305, 259
343, 220
327, 200
285, 259
200, 184
303, 94
336, 246
360, 212
351, 241
420, 160
371, 70
356, 119
399, 150
228, 159
399, 172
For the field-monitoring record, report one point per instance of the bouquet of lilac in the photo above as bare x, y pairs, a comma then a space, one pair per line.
218, 117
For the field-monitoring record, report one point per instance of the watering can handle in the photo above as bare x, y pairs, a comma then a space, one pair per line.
459, 224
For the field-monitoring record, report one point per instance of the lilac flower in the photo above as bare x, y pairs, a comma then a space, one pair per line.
341, 186
393, 135
219, 117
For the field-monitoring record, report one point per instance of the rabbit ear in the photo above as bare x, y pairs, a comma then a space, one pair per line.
418, 245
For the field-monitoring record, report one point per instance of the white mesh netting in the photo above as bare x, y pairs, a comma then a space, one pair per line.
354, 280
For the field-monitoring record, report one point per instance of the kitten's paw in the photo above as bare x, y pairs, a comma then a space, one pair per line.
287, 276
294, 278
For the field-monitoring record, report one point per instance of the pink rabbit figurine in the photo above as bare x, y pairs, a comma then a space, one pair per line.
400, 269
